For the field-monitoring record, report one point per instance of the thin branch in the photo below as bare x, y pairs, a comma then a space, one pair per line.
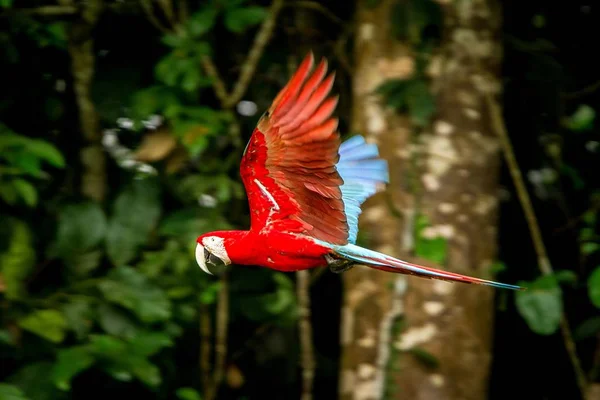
248, 68
46, 11
583, 92
543, 261
221, 336
260, 42
205, 348
314, 5
217, 82
305, 330
148, 10
167, 7
183, 10
63, 10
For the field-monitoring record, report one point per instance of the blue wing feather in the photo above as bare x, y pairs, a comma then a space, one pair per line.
364, 173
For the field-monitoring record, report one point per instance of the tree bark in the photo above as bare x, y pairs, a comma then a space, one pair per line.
81, 50
391, 323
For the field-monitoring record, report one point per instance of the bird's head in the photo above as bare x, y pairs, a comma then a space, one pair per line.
211, 253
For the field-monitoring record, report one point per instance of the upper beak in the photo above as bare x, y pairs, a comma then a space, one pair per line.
206, 260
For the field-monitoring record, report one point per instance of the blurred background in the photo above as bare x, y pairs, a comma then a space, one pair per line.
122, 124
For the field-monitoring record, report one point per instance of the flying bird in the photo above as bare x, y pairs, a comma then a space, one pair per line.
305, 189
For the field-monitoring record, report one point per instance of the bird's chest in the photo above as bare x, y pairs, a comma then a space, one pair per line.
289, 252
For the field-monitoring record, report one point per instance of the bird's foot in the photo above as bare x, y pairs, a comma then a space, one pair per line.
338, 265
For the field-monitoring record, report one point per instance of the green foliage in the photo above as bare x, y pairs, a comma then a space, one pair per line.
410, 96
70, 362
135, 215
430, 248
11, 392
48, 324
128, 288
411, 18
541, 305
18, 260
582, 119
81, 229
588, 328
265, 296
188, 394
594, 287
35, 381
20, 158
240, 19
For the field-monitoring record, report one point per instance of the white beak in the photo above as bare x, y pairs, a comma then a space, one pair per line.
200, 258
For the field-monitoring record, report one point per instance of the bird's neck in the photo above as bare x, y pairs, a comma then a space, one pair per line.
241, 247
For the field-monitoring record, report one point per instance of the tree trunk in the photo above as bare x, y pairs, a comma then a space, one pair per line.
81, 50
407, 337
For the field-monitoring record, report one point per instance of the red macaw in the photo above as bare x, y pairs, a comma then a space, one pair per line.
305, 190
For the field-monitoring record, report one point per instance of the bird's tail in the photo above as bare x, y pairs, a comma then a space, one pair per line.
383, 262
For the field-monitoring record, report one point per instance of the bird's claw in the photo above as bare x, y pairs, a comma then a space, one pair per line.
338, 265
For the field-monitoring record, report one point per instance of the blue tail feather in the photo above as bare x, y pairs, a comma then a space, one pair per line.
364, 173
387, 263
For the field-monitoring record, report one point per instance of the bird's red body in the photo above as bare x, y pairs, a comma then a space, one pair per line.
274, 250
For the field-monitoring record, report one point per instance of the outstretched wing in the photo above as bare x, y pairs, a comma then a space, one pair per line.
288, 167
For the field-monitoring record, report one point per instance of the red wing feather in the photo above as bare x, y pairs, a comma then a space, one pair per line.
292, 154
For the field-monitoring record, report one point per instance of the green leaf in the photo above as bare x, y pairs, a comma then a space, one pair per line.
18, 260
46, 152
240, 19
81, 227
108, 347
209, 294
6, 3
147, 373
48, 324
425, 357
430, 248
589, 248
594, 287
6, 337
411, 96
187, 393
146, 344
565, 276
27, 191
78, 314
582, 119
587, 329
35, 381
278, 305
71, 362
411, 18
11, 392
135, 213
8, 193
202, 21
116, 322
421, 103
127, 287
541, 305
